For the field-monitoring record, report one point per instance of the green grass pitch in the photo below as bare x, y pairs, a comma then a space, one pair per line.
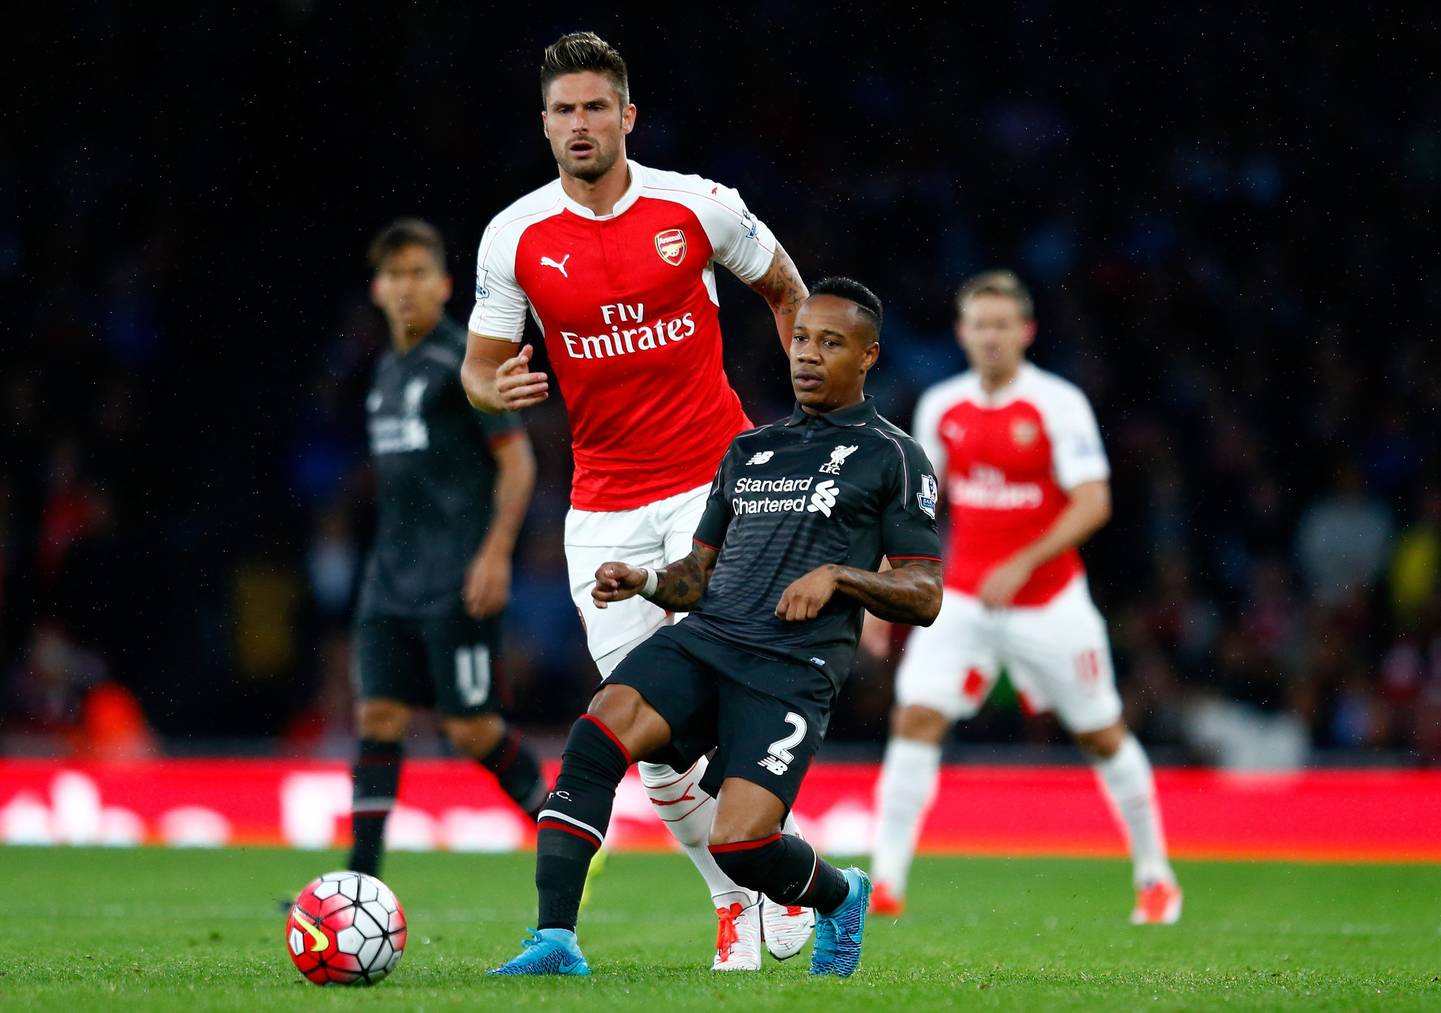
199, 930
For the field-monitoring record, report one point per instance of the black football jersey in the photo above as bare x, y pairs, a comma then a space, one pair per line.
435, 477
844, 487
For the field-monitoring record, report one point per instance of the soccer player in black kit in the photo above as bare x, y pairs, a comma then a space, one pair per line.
452, 488
784, 563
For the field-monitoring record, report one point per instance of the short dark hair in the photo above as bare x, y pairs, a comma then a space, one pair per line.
579, 52
1000, 282
848, 288
405, 232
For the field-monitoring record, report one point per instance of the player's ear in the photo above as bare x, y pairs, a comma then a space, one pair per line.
447, 285
870, 355
545, 124
627, 118
1030, 332
375, 291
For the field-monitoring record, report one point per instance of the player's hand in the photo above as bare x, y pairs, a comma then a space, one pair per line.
1003, 583
807, 595
487, 584
516, 386
616, 582
876, 637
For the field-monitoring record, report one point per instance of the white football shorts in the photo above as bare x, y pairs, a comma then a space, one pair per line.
652, 536
1056, 655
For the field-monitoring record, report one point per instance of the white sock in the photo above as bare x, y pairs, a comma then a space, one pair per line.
904, 795
1126, 781
791, 828
687, 812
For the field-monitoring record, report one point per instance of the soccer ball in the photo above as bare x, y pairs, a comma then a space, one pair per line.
345, 928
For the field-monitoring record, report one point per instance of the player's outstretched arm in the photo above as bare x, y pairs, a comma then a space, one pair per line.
782, 288
678, 585
910, 592
496, 380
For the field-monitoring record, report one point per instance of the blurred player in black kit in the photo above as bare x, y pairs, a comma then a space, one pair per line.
800, 515
452, 488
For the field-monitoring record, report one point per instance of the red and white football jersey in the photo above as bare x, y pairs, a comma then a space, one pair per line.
627, 303
1007, 460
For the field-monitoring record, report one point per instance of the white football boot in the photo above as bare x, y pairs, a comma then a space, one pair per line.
738, 938
786, 927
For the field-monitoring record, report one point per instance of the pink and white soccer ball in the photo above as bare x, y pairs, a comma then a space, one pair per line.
345, 928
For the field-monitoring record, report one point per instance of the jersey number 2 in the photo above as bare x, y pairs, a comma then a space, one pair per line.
781, 748
778, 756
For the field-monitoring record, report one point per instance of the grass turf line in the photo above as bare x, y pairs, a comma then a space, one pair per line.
202, 930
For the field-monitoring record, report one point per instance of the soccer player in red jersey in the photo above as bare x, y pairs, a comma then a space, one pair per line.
1027, 481
615, 261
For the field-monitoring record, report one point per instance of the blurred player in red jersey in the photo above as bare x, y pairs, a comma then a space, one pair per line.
1027, 481
615, 261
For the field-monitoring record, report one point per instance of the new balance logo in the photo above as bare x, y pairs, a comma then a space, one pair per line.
761, 457
838, 458
823, 499
559, 265
775, 766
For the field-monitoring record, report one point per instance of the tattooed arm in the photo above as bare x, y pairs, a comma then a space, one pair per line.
781, 286
910, 592
679, 585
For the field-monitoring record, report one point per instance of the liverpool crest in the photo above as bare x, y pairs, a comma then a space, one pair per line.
838, 458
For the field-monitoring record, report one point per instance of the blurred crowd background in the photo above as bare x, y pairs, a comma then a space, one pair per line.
1228, 219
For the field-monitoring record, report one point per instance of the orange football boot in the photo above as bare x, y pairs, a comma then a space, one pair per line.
1157, 903
886, 904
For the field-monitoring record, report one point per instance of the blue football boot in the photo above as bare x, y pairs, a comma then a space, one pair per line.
838, 933
549, 951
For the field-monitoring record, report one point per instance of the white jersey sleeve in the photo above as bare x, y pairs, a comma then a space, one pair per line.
1077, 453
500, 304
741, 241
926, 426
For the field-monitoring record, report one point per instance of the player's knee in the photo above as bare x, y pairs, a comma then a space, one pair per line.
382, 720
745, 812
477, 736
627, 715
1103, 743
919, 723
731, 828
615, 706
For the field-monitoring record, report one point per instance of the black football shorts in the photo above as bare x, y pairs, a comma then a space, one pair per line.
449, 663
765, 715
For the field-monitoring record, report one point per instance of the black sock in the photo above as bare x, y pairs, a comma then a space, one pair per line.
376, 775
574, 819
784, 868
517, 771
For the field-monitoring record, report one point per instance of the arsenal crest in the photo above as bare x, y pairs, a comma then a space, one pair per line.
670, 244
1024, 432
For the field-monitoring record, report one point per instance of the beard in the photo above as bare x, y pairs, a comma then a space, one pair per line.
590, 170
